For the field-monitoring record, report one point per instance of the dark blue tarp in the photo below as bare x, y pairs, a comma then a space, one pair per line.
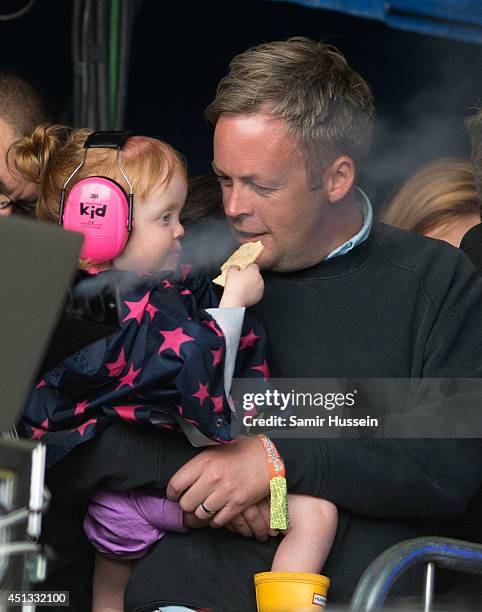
457, 19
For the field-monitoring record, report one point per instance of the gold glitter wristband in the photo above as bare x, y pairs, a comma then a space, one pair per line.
279, 517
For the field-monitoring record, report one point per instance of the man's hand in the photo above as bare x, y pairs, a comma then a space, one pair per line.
226, 479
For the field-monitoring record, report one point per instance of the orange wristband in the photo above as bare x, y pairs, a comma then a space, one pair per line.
275, 463
278, 507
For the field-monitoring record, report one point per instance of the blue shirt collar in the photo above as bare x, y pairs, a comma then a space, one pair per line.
366, 210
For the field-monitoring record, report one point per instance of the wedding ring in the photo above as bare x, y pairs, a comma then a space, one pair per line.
206, 509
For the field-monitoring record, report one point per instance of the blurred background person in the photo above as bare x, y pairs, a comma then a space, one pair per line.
466, 589
204, 201
439, 201
208, 241
471, 243
474, 126
22, 108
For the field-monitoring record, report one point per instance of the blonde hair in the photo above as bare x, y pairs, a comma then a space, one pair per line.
50, 154
328, 107
440, 191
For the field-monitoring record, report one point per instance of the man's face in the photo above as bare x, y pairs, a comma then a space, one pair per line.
266, 191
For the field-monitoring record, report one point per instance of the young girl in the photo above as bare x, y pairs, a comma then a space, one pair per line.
169, 365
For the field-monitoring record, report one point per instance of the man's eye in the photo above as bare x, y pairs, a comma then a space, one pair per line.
224, 181
262, 190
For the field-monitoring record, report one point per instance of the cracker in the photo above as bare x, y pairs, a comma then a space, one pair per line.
247, 254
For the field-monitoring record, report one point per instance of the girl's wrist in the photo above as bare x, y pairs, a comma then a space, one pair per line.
231, 301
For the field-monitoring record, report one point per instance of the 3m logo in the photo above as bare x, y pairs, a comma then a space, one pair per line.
319, 600
91, 210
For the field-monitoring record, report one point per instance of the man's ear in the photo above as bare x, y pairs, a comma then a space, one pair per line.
339, 178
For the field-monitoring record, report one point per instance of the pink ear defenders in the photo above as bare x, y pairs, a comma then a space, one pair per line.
97, 206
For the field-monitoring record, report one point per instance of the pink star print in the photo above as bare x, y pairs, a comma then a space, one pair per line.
167, 284
38, 432
151, 310
126, 412
116, 367
217, 356
174, 340
81, 428
80, 407
263, 368
248, 340
128, 379
137, 309
192, 421
185, 292
42, 383
202, 393
212, 325
217, 403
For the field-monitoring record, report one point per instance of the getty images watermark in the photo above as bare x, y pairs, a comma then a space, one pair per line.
255, 403
361, 408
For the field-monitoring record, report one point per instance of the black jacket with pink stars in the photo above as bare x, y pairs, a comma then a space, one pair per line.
163, 367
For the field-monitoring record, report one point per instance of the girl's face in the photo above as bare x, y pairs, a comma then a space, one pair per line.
154, 243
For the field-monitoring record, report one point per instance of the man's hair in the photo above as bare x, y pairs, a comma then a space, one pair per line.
474, 126
22, 106
328, 107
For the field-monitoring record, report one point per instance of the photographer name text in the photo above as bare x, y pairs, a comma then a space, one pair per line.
276, 421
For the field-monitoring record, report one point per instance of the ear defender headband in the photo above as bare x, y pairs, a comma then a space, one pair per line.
97, 206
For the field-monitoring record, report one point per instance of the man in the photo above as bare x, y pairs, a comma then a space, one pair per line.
345, 297
22, 108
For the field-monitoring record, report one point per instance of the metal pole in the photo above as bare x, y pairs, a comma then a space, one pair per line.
429, 586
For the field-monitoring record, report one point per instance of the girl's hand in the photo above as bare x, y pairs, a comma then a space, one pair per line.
243, 287
254, 521
191, 521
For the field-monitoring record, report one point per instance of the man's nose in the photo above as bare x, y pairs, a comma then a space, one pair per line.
236, 202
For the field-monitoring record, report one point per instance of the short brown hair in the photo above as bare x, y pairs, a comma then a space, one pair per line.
327, 106
438, 193
474, 126
22, 105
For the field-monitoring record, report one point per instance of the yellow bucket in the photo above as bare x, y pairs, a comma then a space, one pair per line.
291, 592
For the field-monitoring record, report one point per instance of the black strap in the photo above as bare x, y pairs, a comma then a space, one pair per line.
111, 139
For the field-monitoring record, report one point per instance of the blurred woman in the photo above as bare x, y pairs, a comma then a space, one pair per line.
439, 201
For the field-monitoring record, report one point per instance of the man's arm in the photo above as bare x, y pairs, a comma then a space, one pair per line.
389, 478
392, 477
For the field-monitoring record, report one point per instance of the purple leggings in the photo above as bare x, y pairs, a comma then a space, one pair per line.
124, 525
